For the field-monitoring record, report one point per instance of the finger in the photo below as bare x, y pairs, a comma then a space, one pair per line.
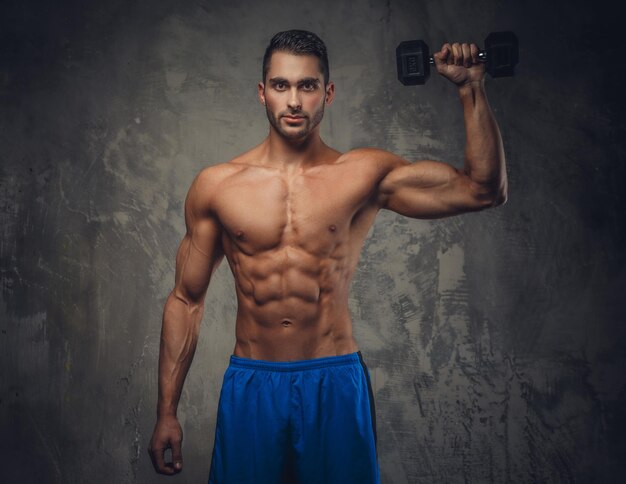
457, 55
177, 456
158, 461
441, 57
474, 53
467, 55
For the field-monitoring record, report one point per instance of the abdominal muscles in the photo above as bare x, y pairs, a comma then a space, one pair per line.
292, 304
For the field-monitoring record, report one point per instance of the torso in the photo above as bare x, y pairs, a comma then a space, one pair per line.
292, 240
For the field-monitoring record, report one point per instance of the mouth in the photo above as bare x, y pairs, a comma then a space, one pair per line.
293, 118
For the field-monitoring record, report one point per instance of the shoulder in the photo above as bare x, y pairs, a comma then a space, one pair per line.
209, 178
206, 184
212, 176
374, 159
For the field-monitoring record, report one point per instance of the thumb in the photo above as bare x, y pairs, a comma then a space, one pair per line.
177, 456
441, 57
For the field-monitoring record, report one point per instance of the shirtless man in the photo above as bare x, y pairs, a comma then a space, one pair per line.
291, 215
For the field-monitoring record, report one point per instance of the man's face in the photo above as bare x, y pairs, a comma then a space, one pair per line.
294, 94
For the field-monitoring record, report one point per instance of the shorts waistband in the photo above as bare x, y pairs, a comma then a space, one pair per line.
327, 361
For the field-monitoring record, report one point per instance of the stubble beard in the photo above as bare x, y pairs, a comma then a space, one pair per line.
309, 123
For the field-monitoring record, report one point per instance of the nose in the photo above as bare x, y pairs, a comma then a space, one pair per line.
294, 102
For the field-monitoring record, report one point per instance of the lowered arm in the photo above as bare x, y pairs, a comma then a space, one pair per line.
198, 256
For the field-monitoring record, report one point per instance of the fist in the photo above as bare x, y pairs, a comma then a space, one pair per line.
459, 63
167, 435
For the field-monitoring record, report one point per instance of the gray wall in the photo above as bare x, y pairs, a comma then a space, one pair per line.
496, 340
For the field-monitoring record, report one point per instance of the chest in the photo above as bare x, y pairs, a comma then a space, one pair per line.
261, 210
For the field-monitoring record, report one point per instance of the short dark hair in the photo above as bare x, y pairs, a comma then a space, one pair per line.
298, 42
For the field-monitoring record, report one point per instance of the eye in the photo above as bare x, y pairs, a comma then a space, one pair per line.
280, 86
309, 86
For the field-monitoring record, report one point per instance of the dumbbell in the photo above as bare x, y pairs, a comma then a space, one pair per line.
501, 54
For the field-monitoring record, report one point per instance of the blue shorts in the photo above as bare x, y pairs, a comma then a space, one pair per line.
310, 421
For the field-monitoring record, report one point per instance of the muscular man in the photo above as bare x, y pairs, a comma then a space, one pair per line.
291, 215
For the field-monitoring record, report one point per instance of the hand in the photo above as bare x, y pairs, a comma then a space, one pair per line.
459, 63
167, 435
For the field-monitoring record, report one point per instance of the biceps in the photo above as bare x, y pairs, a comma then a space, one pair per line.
427, 189
198, 256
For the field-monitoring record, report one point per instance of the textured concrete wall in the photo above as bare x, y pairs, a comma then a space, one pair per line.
496, 341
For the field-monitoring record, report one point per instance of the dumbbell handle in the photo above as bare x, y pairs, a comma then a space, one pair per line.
482, 57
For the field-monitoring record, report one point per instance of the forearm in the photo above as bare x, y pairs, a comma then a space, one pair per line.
179, 336
484, 153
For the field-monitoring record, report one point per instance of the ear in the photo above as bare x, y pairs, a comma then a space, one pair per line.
330, 92
261, 92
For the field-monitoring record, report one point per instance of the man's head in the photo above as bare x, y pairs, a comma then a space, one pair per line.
297, 42
295, 86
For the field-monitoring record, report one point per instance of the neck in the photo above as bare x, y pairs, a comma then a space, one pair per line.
284, 152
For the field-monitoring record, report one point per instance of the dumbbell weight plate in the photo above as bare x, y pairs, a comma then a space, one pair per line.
413, 62
502, 49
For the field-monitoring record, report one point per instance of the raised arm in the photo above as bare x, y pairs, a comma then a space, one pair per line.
198, 256
430, 189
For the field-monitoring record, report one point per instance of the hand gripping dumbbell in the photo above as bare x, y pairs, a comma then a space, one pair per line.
501, 54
